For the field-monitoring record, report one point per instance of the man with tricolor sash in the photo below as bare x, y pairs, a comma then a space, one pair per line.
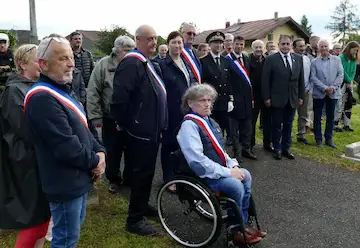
139, 106
68, 155
189, 52
241, 116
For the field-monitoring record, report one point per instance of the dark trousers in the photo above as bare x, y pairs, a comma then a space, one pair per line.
166, 150
282, 119
330, 109
222, 118
265, 116
115, 144
142, 159
240, 133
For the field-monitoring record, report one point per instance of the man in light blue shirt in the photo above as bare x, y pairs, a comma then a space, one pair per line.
326, 78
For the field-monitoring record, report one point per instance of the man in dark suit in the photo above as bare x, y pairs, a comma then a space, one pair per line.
241, 117
216, 72
283, 91
239, 46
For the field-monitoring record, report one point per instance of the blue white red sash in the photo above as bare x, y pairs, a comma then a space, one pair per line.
208, 130
240, 68
60, 95
194, 65
139, 55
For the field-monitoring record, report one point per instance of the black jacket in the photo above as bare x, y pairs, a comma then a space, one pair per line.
65, 147
136, 103
241, 91
219, 78
22, 202
281, 86
256, 68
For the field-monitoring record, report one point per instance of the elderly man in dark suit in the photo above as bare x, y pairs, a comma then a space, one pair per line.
283, 91
216, 71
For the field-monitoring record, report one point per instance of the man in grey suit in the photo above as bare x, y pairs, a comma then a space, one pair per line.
283, 91
327, 75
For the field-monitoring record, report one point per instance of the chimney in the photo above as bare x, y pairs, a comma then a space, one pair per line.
238, 20
227, 24
276, 15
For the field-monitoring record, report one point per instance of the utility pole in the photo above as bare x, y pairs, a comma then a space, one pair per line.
33, 28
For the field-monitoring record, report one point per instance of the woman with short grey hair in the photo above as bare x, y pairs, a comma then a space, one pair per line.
99, 94
201, 142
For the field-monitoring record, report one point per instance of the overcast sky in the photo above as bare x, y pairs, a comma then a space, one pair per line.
65, 16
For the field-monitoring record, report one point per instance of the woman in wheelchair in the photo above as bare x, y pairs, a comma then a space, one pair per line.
201, 143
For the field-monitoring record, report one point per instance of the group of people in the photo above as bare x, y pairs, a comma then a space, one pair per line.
183, 98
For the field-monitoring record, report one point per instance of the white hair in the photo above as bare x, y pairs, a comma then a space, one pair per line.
229, 36
45, 46
256, 43
161, 46
122, 42
322, 41
336, 45
186, 25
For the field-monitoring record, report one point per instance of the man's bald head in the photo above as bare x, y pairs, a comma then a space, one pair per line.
146, 40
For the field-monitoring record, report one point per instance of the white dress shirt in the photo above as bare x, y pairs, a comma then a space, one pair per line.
215, 56
288, 58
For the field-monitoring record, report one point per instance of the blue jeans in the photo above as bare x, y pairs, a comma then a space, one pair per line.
68, 218
240, 191
330, 109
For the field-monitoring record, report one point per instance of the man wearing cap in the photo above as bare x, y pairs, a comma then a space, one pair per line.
6, 59
216, 72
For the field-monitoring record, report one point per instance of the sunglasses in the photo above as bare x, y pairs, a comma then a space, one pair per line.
50, 40
191, 33
27, 51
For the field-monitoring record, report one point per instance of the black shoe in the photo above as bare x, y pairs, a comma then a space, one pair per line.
319, 143
303, 140
151, 211
348, 129
114, 188
237, 155
277, 155
141, 228
338, 129
268, 148
288, 155
248, 154
330, 143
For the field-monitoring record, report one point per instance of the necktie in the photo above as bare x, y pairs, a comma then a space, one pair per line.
241, 60
217, 59
287, 63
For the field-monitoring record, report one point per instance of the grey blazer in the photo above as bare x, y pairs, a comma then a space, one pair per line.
320, 81
281, 86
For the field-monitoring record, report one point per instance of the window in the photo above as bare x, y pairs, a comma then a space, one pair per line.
270, 37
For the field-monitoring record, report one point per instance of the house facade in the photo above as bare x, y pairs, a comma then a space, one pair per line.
265, 30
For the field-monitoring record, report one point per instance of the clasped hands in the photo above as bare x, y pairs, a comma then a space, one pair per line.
100, 168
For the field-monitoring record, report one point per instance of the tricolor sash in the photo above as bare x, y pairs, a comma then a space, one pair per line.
60, 95
208, 130
240, 68
194, 65
139, 55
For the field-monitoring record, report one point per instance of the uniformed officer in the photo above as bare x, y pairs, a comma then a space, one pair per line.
216, 72
7, 66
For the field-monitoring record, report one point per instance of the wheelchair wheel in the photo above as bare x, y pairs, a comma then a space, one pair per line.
181, 218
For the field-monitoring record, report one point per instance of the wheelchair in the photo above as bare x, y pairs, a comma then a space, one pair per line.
205, 205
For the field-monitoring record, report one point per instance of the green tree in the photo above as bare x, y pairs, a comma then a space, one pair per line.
160, 41
305, 25
106, 38
344, 21
351, 37
12, 38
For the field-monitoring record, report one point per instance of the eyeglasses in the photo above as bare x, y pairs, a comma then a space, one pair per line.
27, 51
50, 40
191, 33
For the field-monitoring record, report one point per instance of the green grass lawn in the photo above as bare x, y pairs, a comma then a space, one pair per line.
104, 225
